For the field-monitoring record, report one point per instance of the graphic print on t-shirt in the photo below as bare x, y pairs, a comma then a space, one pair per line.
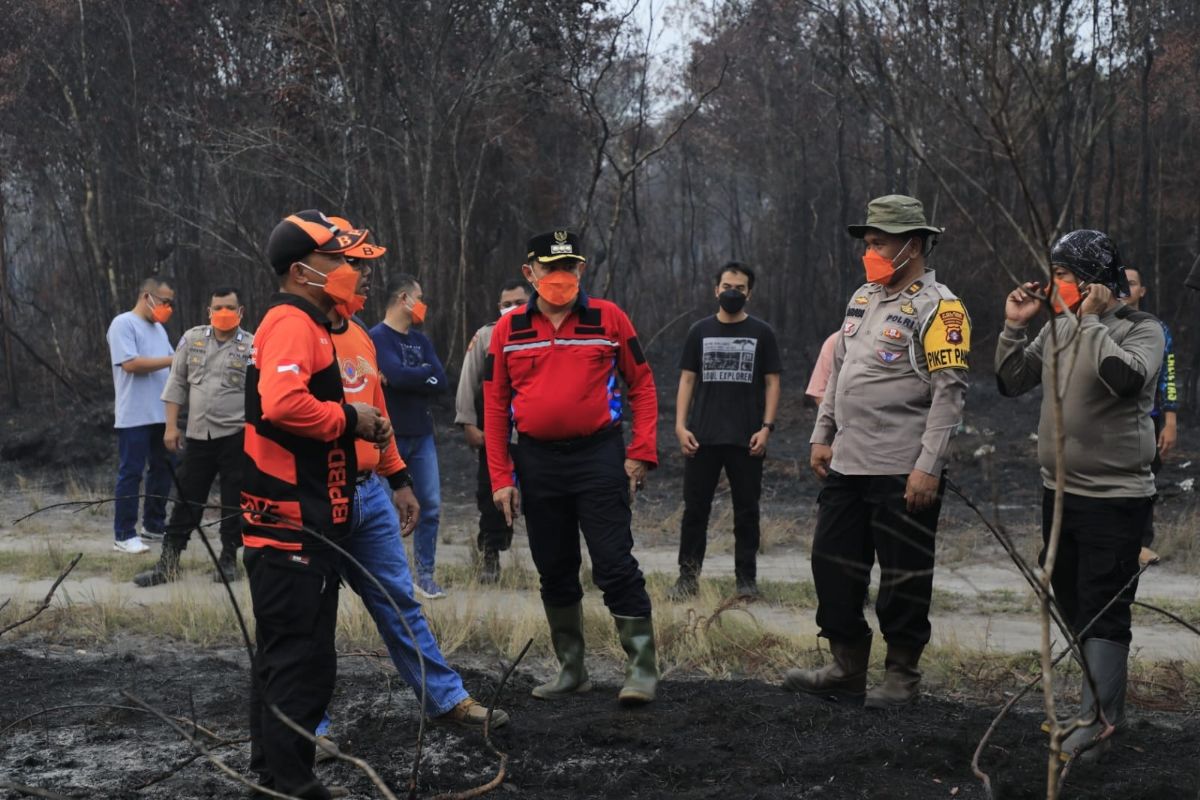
728, 359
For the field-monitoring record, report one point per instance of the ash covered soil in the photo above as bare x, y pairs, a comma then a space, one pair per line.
701, 739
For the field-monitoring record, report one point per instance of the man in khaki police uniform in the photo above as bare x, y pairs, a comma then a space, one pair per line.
495, 534
208, 375
894, 400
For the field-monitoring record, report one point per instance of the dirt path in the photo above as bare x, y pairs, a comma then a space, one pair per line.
969, 588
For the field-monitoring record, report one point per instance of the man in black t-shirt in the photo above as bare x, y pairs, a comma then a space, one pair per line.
729, 377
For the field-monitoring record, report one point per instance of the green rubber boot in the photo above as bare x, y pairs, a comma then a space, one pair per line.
566, 634
1109, 663
641, 668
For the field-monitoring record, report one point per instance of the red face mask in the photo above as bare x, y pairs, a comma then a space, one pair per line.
880, 269
1067, 296
559, 288
225, 319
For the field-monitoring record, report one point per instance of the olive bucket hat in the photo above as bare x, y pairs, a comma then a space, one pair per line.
896, 214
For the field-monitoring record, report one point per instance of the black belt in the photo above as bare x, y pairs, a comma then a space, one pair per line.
570, 445
363, 477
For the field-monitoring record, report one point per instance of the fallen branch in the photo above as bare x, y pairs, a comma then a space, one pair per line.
33, 791
483, 789
218, 763
110, 706
46, 600
366, 768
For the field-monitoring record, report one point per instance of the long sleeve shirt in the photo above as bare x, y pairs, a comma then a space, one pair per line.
1167, 396
413, 373
560, 384
898, 381
1107, 370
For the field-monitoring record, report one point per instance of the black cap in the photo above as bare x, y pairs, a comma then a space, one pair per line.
547, 247
306, 232
1092, 256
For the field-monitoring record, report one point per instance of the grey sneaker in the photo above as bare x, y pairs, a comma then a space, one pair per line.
428, 588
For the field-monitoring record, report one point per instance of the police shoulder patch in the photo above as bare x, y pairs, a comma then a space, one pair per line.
947, 339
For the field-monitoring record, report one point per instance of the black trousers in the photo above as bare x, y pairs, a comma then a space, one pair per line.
700, 475
494, 532
571, 487
860, 517
295, 664
203, 460
1097, 555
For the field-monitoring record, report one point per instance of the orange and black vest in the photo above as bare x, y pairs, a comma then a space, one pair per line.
300, 464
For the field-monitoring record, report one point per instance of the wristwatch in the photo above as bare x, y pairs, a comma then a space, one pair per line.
769, 426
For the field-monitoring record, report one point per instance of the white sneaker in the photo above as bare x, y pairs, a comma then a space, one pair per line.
133, 545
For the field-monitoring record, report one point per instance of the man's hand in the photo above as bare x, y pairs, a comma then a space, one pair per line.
758, 442
474, 436
921, 491
1023, 304
687, 442
172, 440
818, 458
507, 500
372, 425
636, 471
1096, 298
408, 508
1167, 436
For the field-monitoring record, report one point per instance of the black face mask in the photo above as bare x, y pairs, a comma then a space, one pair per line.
732, 301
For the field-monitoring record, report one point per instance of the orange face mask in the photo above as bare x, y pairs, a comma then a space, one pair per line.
161, 311
351, 307
1067, 296
559, 288
340, 284
418, 311
880, 269
225, 319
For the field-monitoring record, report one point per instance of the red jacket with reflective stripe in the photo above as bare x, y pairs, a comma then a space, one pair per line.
300, 460
555, 385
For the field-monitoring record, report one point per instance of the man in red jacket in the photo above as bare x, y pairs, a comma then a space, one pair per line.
299, 474
551, 372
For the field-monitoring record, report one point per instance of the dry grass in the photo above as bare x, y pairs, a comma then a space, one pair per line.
714, 636
1176, 540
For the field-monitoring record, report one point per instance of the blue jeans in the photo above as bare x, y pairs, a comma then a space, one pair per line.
141, 449
420, 455
375, 542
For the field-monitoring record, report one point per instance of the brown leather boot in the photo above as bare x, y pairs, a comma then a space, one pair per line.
845, 680
901, 680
